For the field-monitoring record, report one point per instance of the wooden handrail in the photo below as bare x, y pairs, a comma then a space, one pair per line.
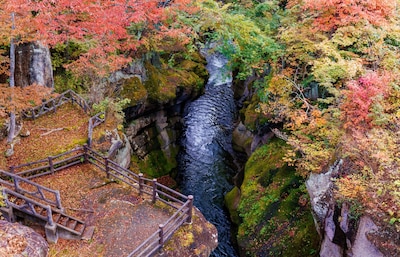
29, 203
39, 191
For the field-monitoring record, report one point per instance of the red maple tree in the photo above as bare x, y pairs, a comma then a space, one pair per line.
359, 98
331, 14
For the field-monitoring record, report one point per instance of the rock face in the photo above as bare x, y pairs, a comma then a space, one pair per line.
320, 189
18, 240
33, 65
343, 231
271, 207
154, 139
198, 239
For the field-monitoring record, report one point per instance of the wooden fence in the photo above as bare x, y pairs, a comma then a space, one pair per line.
49, 165
54, 103
26, 187
155, 242
29, 206
182, 204
68, 96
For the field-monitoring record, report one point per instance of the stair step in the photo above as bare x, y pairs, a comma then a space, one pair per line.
56, 217
80, 228
63, 221
72, 224
88, 233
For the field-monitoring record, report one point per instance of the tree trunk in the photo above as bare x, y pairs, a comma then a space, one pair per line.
11, 125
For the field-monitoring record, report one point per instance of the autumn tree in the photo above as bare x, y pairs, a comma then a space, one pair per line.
109, 32
335, 92
330, 15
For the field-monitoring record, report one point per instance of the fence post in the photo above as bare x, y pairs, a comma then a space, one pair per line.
190, 209
90, 131
51, 164
154, 190
140, 183
16, 183
161, 235
106, 167
85, 153
58, 201
50, 217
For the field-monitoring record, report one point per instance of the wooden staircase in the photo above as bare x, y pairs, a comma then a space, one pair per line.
57, 222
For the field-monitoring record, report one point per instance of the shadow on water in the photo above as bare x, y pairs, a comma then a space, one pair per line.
206, 144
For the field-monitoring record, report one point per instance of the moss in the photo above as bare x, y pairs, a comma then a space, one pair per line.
232, 199
252, 118
157, 86
156, 164
162, 84
134, 90
274, 223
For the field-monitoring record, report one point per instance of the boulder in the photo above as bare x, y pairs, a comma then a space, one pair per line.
18, 241
197, 239
33, 65
319, 187
242, 139
120, 150
362, 246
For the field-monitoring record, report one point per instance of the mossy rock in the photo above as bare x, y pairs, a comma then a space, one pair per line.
162, 84
134, 90
157, 164
232, 199
252, 118
157, 86
274, 207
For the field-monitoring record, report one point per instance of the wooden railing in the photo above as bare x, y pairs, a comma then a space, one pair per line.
66, 97
26, 187
54, 103
182, 204
49, 165
156, 241
29, 206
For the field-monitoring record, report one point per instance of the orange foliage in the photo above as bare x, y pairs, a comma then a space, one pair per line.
17, 98
331, 14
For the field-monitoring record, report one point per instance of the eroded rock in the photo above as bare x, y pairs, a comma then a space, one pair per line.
33, 65
362, 246
17, 240
197, 239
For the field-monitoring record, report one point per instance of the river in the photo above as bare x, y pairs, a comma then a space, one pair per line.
205, 160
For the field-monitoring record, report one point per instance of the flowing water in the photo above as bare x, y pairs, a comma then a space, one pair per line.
204, 161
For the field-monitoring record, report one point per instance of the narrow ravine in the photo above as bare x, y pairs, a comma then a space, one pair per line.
206, 144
